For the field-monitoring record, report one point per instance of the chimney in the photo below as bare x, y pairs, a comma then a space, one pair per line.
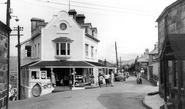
105, 62
146, 51
73, 13
34, 22
80, 18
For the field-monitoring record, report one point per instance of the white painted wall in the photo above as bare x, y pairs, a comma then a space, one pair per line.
53, 31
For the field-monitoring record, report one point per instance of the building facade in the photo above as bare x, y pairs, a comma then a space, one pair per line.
4, 73
171, 35
66, 48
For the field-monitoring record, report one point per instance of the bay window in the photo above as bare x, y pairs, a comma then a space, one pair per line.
62, 48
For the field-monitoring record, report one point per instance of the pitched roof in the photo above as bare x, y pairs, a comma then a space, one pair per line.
174, 47
154, 51
168, 8
62, 39
96, 64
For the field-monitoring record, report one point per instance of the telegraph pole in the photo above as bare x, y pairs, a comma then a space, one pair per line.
116, 56
19, 63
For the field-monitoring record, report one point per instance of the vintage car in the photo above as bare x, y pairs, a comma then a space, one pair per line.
120, 77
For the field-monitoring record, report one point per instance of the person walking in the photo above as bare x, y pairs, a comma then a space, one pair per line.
107, 77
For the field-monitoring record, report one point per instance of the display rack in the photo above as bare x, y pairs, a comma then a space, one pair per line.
79, 82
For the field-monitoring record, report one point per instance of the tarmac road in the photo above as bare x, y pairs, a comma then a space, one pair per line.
124, 95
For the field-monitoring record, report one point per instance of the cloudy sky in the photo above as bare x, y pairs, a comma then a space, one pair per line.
129, 23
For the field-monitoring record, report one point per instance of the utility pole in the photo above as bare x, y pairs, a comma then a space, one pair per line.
116, 56
120, 63
19, 63
8, 24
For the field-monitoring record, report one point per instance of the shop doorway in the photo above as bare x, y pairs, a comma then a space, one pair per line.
62, 76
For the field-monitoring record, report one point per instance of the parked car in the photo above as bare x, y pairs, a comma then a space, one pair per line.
120, 77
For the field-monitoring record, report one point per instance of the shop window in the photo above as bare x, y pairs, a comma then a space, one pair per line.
35, 74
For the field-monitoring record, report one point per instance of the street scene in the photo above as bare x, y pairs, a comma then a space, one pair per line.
124, 95
92, 54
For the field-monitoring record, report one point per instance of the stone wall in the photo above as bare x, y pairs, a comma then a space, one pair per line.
3, 69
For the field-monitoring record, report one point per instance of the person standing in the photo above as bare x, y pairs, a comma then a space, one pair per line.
53, 81
107, 77
100, 78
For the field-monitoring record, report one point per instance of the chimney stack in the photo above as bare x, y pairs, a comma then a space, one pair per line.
73, 13
80, 18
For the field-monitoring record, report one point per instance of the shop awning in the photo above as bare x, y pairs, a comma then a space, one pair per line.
174, 47
62, 64
96, 64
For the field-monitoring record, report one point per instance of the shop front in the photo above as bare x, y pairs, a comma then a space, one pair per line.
39, 78
172, 71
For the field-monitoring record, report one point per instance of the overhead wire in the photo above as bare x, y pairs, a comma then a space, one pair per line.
113, 7
96, 8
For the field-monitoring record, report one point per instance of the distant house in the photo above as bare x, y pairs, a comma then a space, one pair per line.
142, 63
154, 65
109, 67
66, 48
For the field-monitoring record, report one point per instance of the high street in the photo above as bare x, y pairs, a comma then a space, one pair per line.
124, 95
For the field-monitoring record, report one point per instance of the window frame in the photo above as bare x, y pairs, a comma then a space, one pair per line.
66, 49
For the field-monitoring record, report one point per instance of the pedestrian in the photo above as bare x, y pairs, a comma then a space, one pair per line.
100, 78
112, 78
107, 77
53, 81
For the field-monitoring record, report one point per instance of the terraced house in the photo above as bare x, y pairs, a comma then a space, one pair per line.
171, 40
62, 47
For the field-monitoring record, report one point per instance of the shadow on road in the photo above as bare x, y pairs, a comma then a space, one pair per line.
121, 100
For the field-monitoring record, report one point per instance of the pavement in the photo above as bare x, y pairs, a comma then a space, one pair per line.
153, 101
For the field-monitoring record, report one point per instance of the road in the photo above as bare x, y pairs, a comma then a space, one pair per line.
124, 95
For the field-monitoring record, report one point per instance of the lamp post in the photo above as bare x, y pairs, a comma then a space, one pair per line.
19, 57
19, 61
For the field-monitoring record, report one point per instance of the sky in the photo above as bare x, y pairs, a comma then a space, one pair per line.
129, 23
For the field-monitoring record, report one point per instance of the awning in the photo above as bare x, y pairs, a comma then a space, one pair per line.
96, 64
174, 47
62, 64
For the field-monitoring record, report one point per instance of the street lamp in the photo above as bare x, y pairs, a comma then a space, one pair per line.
19, 57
